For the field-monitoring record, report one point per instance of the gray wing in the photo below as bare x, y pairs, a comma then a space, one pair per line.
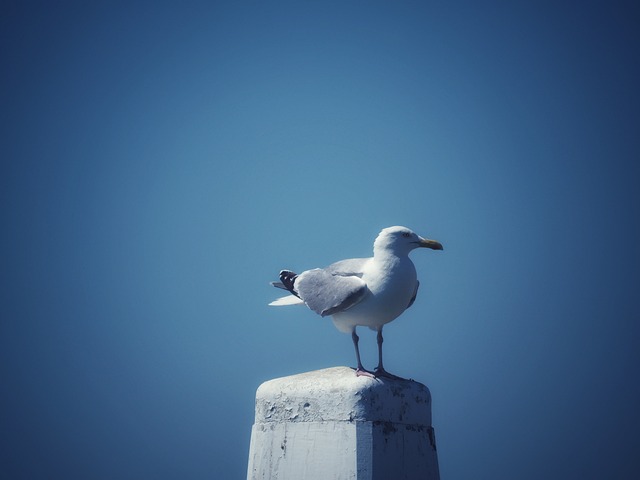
415, 294
328, 291
347, 268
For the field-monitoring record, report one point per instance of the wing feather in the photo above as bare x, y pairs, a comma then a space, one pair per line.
327, 293
415, 294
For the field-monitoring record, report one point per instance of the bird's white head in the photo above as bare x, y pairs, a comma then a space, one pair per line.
401, 240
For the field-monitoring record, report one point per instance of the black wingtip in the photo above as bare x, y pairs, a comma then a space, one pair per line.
288, 278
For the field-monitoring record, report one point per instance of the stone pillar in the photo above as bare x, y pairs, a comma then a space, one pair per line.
330, 424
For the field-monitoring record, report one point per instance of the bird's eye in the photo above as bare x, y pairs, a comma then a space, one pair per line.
406, 234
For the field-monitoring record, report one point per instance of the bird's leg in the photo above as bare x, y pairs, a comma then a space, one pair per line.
380, 340
360, 371
380, 371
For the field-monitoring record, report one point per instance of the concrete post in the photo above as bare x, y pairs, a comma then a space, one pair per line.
330, 424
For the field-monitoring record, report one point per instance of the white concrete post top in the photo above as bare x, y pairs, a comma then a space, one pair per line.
337, 394
332, 424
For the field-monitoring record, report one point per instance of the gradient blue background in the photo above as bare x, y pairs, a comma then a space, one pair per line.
161, 164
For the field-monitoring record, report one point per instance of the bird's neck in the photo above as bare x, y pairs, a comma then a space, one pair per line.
387, 257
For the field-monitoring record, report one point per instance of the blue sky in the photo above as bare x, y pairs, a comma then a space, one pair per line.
162, 163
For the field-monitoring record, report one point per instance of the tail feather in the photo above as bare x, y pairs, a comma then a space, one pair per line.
288, 278
288, 300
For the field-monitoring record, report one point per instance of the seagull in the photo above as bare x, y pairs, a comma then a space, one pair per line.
368, 292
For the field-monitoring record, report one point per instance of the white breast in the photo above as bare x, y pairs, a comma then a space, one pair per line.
391, 284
